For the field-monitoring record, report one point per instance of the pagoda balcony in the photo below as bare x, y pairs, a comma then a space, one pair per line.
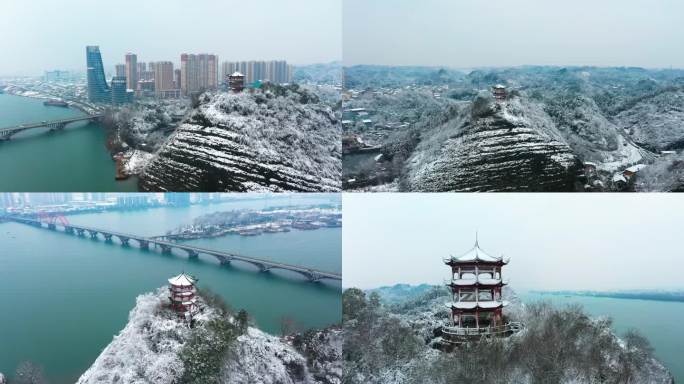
476, 282
476, 305
462, 334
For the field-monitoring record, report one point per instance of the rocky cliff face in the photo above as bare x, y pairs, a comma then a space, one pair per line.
509, 146
281, 140
150, 350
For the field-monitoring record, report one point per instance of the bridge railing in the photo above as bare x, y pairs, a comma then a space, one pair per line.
151, 240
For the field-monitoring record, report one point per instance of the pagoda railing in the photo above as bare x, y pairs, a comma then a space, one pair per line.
508, 328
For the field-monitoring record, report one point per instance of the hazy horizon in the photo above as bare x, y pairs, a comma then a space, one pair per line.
469, 69
47, 35
554, 241
504, 33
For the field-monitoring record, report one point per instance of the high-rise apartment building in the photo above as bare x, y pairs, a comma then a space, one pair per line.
98, 90
198, 72
164, 79
178, 199
142, 67
131, 71
163, 76
275, 71
120, 70
177, 78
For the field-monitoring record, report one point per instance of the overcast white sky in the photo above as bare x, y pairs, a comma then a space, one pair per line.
48, 34
471, 33
555, 241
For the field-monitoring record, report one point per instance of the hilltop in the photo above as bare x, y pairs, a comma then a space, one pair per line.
441, 131
387, 340
281, 139
156, 347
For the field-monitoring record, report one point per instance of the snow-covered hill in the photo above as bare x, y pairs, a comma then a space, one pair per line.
492, 146
656, 120
607, 119
400, 343
150, 349
283, 139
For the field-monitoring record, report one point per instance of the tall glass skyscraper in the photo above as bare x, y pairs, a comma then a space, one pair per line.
98, 90
119, 94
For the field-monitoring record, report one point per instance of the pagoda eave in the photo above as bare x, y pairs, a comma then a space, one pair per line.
472, 263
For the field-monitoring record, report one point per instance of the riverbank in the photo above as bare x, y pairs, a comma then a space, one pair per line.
258, 222
75, 159
17, 90
659, 321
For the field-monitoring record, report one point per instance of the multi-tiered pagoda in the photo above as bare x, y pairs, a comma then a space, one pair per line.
477, 304
182, 294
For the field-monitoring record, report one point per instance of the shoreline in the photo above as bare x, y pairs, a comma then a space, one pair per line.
123, 171
14, 90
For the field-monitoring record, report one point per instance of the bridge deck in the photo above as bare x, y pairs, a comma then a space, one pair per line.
228, 255
50, 122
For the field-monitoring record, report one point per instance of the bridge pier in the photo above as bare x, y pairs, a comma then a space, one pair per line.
223, 260
263, 265
314, 278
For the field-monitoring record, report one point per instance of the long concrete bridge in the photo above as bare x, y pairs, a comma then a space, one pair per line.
223, 257
8, 132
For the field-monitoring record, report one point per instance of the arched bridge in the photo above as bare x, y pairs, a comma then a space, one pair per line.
7, 133
166, 246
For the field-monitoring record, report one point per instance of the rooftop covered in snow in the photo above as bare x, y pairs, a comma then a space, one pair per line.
182, 280
475, 255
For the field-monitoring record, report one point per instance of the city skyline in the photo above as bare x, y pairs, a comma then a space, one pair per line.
298, 35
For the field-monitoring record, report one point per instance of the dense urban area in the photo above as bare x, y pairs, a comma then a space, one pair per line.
235, 117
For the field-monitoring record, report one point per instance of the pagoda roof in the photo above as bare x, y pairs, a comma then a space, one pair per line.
474, 255
477, 304
235, 74
477, 281
182, 280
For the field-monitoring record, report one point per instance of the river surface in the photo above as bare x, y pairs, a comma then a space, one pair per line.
65, 297
660, 321
74, 159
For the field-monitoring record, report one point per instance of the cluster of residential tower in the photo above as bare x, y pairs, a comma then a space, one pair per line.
197, 73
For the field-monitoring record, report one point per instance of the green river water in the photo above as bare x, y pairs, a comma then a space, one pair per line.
74, 159
660, 321
65, 297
